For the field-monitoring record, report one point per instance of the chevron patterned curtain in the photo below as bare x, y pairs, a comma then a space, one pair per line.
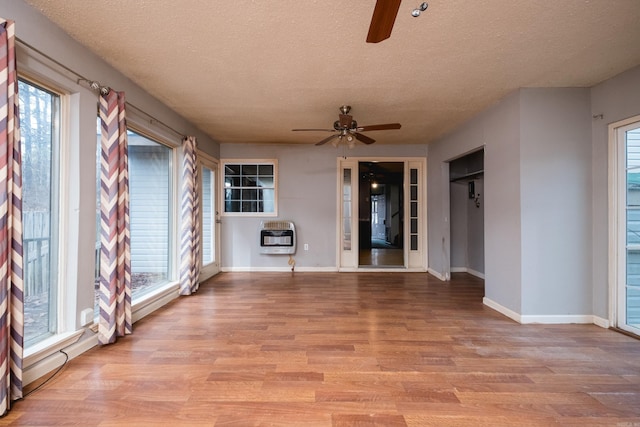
11, 284
190, 237
115, 252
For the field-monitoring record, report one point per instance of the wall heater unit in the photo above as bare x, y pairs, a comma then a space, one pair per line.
277, 237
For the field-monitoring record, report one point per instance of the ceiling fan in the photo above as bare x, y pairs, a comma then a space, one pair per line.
348, 129
384, 16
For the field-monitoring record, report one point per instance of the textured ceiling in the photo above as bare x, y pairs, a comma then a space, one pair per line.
250, 71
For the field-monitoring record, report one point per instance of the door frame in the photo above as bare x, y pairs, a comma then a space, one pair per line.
213, 164
414, 260
617, 222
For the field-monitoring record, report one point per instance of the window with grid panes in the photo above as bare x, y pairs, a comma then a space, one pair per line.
250, 188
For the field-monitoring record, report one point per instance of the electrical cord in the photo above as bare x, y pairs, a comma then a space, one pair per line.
50, 378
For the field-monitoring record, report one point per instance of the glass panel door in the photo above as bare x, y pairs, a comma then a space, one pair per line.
348, 232
210, 221
629, 289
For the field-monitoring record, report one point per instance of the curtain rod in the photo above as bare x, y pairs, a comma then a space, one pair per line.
99, 87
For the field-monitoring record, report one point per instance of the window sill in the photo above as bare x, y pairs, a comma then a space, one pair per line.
153, 300
49, 346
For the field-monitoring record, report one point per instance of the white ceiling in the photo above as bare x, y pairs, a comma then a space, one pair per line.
250, 71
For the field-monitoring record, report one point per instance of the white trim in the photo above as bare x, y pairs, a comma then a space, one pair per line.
602, 322
55, 359
436, 274
45, 348
560, 319
475, 273
467, 270
612, 186
152, 301
383, 269
502, 309
616, 221
204, 160
278, 269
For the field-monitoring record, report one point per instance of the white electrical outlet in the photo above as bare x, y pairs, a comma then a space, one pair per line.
86, 317
306, 246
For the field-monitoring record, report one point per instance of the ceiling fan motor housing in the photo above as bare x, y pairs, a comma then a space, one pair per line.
345, 122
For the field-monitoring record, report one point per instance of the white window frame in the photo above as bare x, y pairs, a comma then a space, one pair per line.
41, 71
204, 160
55, 227
138, 123
271, 162
617, 222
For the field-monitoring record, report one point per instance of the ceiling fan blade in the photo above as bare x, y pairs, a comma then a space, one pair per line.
362, 138
324, 141
387, 126
384, 16
315, 130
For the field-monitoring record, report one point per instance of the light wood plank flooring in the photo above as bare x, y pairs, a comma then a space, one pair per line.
344, 349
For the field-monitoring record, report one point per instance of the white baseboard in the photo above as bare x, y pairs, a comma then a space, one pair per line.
561, 319
475, 273
467, 270
54, 361
437, 274
603, 323
277, 269
322, 270
557, 319
501, 309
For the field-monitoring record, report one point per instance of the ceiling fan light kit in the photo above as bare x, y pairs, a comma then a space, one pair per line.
347, 129
418, 10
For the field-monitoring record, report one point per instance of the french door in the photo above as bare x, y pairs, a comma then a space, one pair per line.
626, 239
209, 217
414, 211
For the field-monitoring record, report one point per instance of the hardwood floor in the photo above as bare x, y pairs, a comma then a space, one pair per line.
381, 257
344, 349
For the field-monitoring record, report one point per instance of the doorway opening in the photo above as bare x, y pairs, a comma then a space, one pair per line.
466, 198
381, 214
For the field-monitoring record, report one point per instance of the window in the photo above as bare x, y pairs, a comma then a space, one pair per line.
208, 216
150, 213
40, 138
250, 188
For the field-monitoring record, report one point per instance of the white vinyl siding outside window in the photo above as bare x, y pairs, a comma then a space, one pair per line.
150, 213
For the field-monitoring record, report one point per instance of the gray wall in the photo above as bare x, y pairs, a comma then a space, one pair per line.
307, 189
467, 226
555, 197
458, 200
616, 99
545, 198
475, 227
498, 130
